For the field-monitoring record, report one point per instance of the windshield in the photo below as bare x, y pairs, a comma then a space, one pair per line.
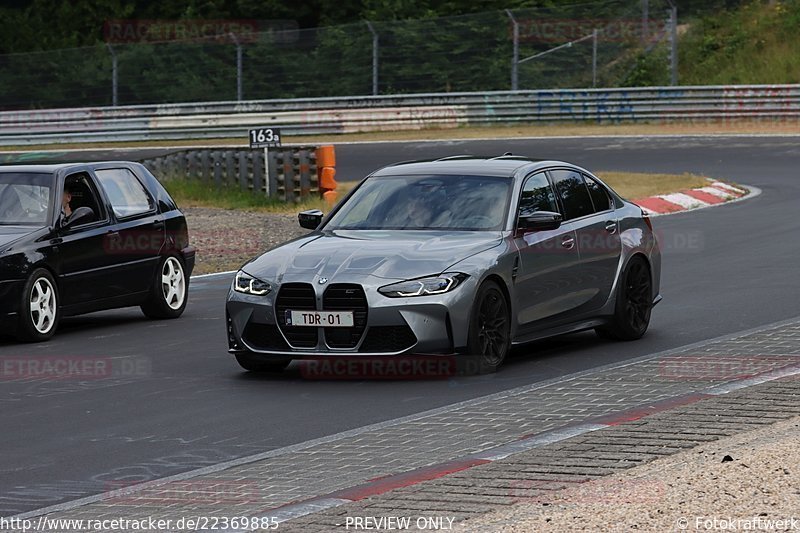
461, 203
25, 199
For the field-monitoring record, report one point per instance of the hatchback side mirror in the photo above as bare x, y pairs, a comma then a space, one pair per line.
540, 221
310, 219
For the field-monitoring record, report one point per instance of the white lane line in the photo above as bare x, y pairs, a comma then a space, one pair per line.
548, 437
755, 380
214, 274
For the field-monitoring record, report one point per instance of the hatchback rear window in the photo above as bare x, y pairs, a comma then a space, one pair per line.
126, 193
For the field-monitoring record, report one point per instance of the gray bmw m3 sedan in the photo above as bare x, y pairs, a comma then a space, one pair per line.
461, 256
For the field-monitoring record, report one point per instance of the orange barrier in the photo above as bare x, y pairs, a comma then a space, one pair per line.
326, 156
327, 178
326, 173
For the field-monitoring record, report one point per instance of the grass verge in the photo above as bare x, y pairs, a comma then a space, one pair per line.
634, 185
195, 194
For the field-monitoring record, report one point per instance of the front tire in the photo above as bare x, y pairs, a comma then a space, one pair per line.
255, 364
39, 313
634, 304
169, 291
489, 337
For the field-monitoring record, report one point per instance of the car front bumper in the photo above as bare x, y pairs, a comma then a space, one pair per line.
393, 326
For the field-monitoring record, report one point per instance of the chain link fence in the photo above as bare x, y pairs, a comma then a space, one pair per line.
576, 46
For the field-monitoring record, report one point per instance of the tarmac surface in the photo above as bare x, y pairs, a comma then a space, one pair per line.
175, 401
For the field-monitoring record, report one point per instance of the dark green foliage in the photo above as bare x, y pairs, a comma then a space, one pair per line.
755, 43
424, 46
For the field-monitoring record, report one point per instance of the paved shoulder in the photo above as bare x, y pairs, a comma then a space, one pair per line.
745, 482
581, 482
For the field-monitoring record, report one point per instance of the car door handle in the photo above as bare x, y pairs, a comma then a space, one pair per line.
111, 234
568, 243
611, 226
158, 224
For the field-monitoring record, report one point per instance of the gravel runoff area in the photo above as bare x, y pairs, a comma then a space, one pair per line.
227, 238
747, 482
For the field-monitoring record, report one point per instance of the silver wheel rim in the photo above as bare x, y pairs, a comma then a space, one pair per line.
173, 284
43, 305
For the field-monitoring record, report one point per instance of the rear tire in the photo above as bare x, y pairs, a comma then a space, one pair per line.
169, 291
39, 313
254, 364
489, 338
634, 304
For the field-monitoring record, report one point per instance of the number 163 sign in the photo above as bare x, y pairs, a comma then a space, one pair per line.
263, 137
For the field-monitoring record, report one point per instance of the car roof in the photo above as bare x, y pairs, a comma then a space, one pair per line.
55, 167
503, 166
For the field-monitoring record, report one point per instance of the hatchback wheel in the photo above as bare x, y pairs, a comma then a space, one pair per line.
634, 304
39, 312
490, 328
169, 292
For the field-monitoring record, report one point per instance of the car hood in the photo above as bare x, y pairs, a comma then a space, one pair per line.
395, 255
9, 234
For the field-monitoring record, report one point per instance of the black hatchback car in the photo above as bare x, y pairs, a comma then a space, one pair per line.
77, 238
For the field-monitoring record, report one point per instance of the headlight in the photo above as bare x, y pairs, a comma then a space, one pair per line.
423, 286
247, 284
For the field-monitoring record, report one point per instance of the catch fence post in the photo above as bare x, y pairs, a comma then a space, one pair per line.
375, 50
515, 52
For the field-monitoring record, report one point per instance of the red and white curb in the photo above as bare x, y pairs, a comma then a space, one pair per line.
716, 192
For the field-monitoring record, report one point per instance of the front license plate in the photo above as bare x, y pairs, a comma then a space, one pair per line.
326, 319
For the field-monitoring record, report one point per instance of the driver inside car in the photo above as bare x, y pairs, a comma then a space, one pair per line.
66, 210
420, 213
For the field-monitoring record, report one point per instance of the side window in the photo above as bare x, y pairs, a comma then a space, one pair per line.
537, 195
600, 198
126, 193
573, 193
80, 191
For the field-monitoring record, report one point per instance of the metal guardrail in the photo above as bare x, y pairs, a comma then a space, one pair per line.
288, 173
399, 112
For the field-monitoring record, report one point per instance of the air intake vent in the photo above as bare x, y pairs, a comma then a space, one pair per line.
296, 297
345, 297
264, 337
388, 339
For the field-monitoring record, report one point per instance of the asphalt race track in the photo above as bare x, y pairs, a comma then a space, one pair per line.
174, 400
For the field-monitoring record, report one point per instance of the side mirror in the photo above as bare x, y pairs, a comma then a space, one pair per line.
81, 215
310, 219
540, 221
